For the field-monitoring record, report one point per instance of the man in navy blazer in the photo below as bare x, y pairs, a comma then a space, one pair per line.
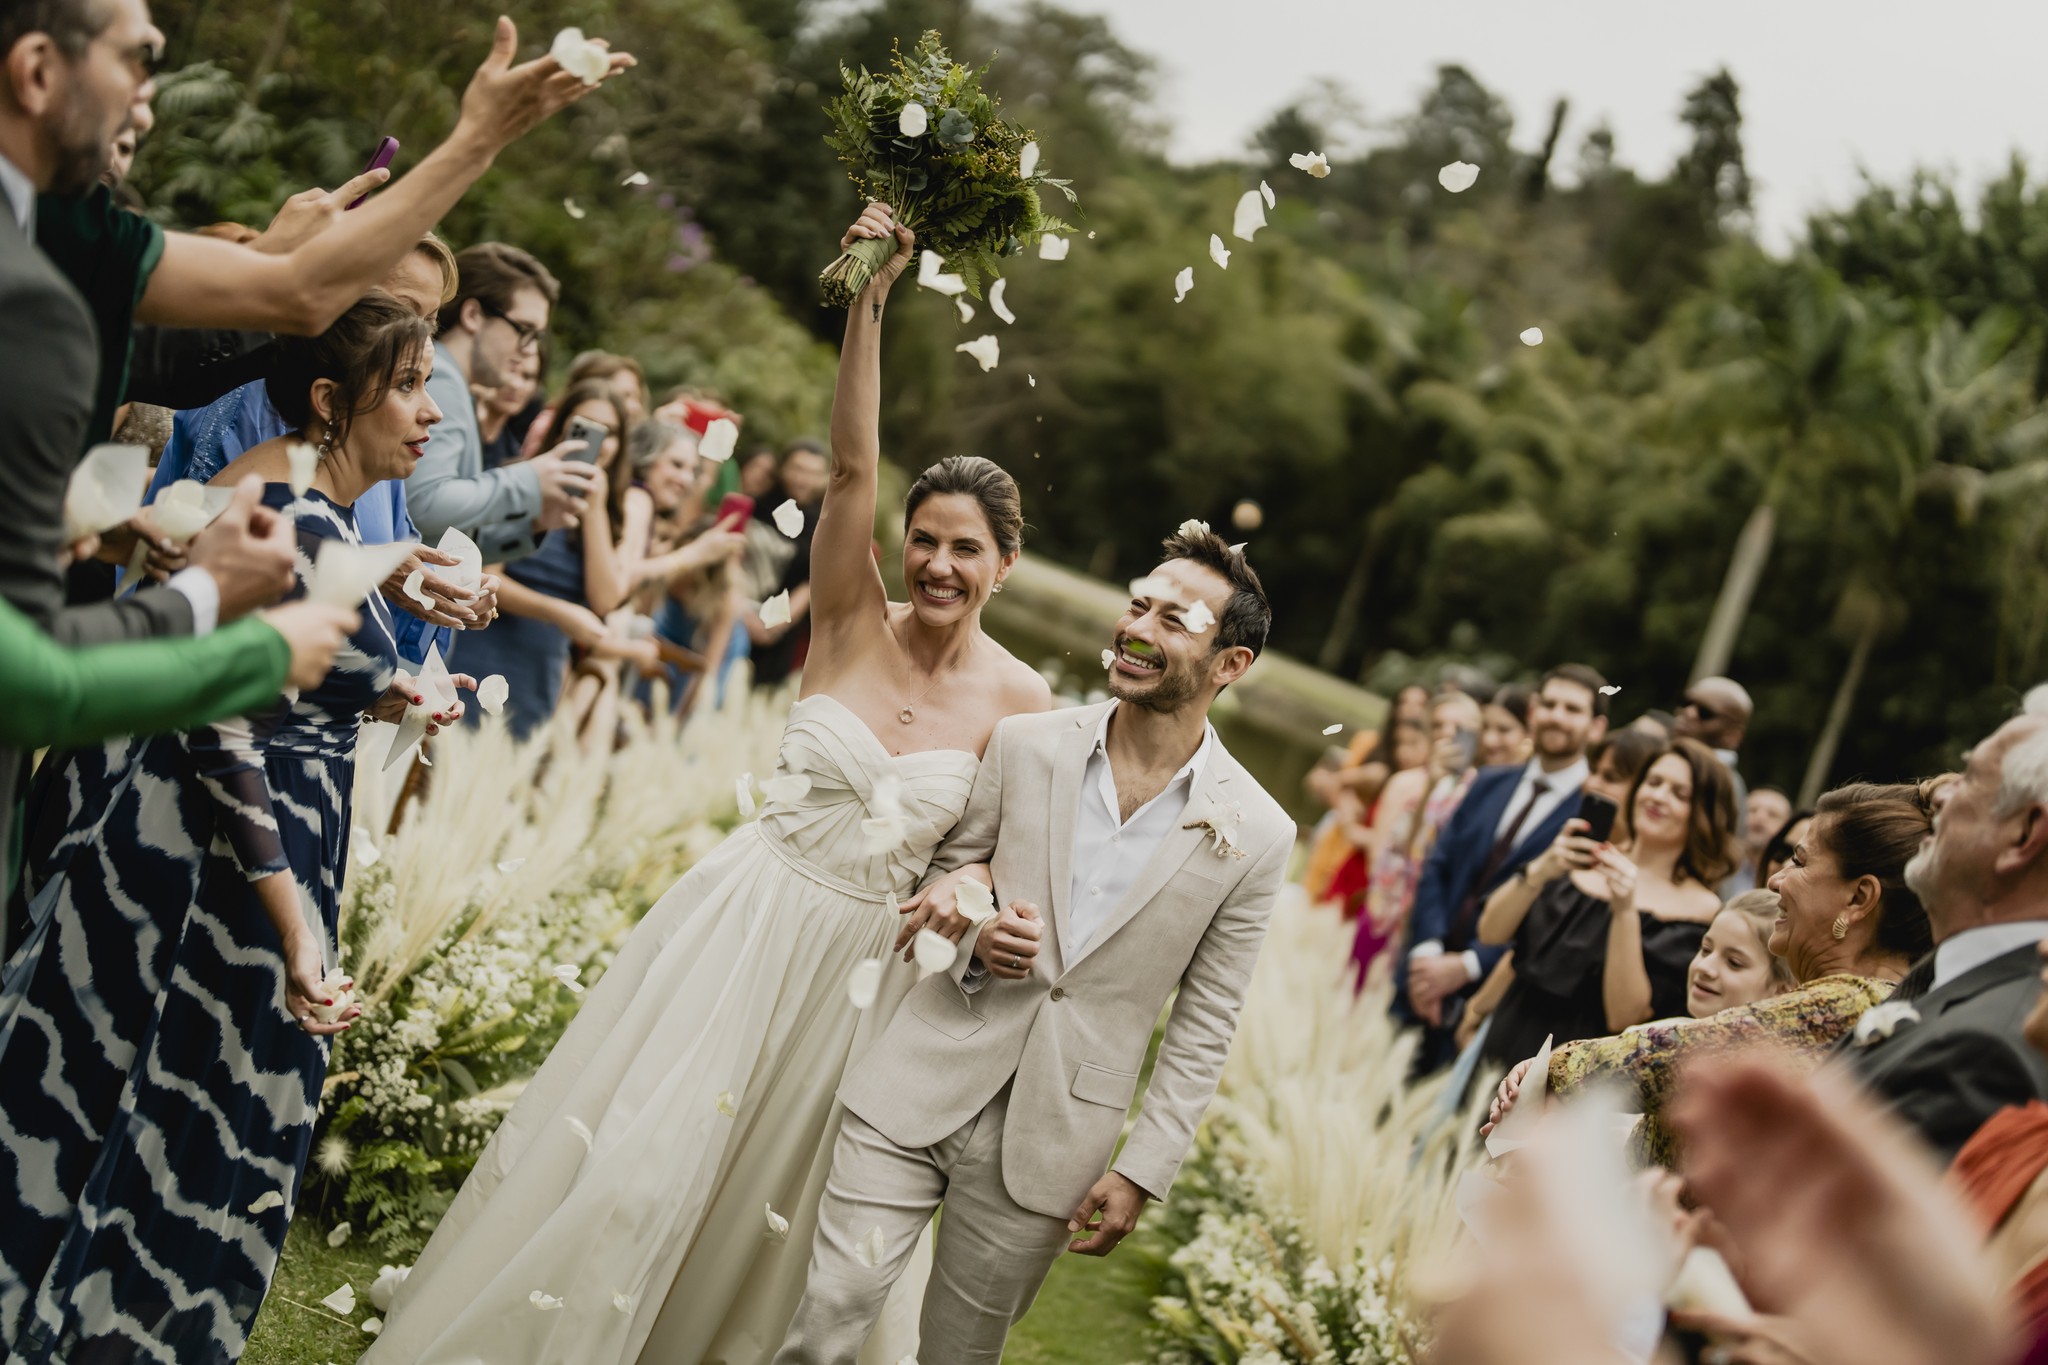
1510, 815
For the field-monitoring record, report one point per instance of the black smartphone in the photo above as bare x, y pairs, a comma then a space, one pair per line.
379, 159
592, 435
1598, 812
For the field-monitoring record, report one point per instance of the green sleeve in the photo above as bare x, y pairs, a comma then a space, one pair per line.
51, 694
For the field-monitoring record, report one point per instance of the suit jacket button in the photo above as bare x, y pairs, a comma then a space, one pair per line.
1058, 993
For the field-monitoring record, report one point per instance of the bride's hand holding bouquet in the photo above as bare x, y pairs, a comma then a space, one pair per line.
877, 223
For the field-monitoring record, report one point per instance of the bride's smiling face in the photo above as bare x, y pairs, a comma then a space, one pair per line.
950, 559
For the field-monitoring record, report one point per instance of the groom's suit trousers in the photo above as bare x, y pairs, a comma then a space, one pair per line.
991, 1257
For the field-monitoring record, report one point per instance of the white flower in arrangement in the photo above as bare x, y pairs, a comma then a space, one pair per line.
338, 1234
727, 1105
966, 309
1183, 282
493, 692
914, 119
872, 1249
1218, 252
935, 952
1532, 336
1315, 163
1883, 1020
719, 438
985, 349
1458, 176
384, 1289
1051, 248
864, 982
302, 460
581, 58
1027, 161
775, 611
974, 901
546, 1303
574, 209
995, 301
743, 795
778, 1226
1250, 216
333, 1156
342, 1301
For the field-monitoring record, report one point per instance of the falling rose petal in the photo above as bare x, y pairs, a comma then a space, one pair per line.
1027, 161
263, 1203
338, 1234
719, 439
775, 611
985, 349
568, 974
621, 1303
493, 692
546, 1303
635, 180
1109, 658
932, 276
872, 1249
342, 1301
1315, 163
367, 853
1032, 380
1533, 337
385, 1287
914, 119
1199, 618
778, 1226
1458, 176
1218, 252
996, 304
1238, 548
1266, 192
582, 1132
864, 982
574, 209
1051, 248
1609, 690
1250, 216
789, 518
415, 591
786, 791
303, 459
579, 56
1183, 282
975, 901
727, 1105
1152, 585
1333, 729
935, 952
336, 989
372, 1326
1192, 527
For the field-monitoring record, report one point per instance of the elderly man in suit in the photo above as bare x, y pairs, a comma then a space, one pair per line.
1949, 1050
1001, 1086
1508, 817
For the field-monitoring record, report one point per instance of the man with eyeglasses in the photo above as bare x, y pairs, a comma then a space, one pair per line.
502, 302
1716, 712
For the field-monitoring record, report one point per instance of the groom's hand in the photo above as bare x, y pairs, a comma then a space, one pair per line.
1114, 1203
1009, 942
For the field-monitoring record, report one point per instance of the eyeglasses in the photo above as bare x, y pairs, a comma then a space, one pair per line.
529, 335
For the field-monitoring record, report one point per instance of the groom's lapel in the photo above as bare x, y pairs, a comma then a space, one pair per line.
1206, 802
1069, 765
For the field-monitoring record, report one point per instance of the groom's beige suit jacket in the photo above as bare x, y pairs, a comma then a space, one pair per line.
1073, 1035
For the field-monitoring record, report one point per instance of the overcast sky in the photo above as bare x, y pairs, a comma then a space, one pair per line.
1827, 85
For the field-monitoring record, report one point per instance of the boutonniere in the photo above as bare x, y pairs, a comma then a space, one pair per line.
1220, 822
1881, 1021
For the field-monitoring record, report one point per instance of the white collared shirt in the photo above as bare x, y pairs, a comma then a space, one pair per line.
1972, 948
1110, 852
20, 193
1560, 786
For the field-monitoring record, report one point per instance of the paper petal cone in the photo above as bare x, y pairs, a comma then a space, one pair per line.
468, 571
1514, 1131
344, 574
105, 489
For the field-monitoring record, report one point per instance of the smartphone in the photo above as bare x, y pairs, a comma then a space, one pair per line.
379, 159
1468, 748
734, 511
1598, 812
592, 434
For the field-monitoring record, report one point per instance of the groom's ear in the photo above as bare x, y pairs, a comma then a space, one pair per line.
1230, 665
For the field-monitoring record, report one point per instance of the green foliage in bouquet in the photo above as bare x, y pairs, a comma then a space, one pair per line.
951, 171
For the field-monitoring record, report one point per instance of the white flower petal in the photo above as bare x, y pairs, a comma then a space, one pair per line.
1152, 585
719, 439
1238, 548
568, 974
415, 591
966, 309
789, 518
338, 1234
372, 1326
1266, 192
511, 865
778, 1226
1032, 380
975, 901
1109, 658
1051, 248
743, 794
1532, 337
786, 791
872, 1249
621, 1303
342, 1301
1199, 618
384, 1288
996, 304
493, 692
263, 1203
1609, 690
931, 276
1027, 161
1183, 282
635, 180
985, 349
303, 459
864, 982
574, 209
1218, 252
914, 119
775, 611
343, 998
727, 1105
546, 1303
579, 56
366, 852
1192, 527
1334, 729
935, 952
1457, 177
1313, 162
1250, 216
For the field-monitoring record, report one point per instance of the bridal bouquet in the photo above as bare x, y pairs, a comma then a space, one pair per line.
925, 139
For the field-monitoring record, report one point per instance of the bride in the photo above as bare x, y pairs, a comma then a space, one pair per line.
622, 1212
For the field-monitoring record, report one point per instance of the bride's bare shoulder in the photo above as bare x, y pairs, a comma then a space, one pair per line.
1019, 687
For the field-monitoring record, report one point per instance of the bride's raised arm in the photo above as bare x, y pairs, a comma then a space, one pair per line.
846, 584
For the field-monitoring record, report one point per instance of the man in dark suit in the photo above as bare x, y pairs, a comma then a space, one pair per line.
1954, 1054
1510, 815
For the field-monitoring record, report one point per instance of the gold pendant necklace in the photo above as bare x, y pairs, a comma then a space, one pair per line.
908, 715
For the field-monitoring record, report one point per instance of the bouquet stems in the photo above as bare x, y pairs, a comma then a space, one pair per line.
846, 278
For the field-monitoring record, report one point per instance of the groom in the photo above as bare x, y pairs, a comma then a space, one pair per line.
1001, 1086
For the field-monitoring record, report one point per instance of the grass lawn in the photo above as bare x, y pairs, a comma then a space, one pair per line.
293, 1329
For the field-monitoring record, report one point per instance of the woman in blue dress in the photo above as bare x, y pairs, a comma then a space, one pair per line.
162, 1045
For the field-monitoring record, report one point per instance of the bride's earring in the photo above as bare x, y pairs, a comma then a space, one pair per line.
998, 587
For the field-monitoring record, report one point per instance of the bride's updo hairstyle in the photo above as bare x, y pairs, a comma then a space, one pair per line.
970, 476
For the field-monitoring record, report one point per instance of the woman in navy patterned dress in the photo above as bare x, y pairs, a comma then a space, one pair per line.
160, 1055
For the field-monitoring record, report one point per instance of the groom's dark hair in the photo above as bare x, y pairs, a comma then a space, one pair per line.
1247, 617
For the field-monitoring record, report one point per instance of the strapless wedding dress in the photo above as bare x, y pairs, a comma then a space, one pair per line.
620, 1212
